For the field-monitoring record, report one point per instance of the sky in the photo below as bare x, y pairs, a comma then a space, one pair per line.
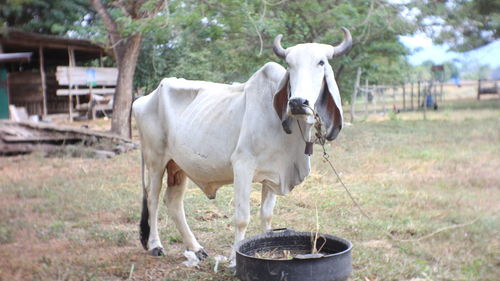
424, 49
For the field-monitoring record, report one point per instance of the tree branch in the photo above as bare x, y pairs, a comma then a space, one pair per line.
111, 27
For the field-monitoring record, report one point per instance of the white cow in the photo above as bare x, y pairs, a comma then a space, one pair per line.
216, 134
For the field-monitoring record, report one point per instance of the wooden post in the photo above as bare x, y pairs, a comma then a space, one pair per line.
426, 90
496, 88
441, 92
355, 93
376, 94
383, 100
404, 96
394, 90
418, 93
101, 63
91, 105
366, 98
411, 96
71, 62
478, 88
435, 93
43, 80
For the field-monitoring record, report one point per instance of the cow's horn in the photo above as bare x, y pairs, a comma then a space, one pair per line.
343, 47
278, 50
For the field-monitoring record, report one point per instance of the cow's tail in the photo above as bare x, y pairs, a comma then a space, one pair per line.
144, 225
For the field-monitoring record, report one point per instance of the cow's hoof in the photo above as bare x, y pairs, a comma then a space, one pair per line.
201, 254
157, 252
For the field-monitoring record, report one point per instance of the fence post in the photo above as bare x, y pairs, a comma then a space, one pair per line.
355, 93
418, 94
435, 93
426, 90
383, 101
404, 97
411, 96
366, 98
441, 94
394, 89
478, 88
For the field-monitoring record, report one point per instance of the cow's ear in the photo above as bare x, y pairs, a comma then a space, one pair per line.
280, 103
329, 106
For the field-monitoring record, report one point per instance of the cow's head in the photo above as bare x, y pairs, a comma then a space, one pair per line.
309, 83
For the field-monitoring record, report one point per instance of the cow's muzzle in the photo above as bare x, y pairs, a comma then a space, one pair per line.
299, 106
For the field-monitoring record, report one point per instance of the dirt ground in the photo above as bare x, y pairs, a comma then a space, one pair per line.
434, 183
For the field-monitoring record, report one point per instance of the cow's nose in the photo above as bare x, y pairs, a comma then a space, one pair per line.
298, 105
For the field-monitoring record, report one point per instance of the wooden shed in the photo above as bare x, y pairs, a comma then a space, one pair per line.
32, 84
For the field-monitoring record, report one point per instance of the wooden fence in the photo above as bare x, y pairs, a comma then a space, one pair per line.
412, 96
380, 99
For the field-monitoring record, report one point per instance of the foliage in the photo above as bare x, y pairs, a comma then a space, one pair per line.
466, 70
125, 23
49, 17
476, 71
464, 24
227, 40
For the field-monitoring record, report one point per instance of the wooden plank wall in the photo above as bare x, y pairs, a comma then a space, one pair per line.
25, 89
55, 103
104, 76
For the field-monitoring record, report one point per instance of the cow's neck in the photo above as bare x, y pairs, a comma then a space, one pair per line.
299, 165
305, 130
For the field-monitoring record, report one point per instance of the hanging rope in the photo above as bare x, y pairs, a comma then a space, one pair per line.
320, 138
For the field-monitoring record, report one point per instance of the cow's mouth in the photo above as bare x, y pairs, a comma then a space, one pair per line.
300, 112
299, 107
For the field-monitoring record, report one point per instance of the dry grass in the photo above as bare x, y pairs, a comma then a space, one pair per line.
77, 218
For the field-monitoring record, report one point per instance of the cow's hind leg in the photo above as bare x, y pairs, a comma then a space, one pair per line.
174, 199
150, 238
266, 207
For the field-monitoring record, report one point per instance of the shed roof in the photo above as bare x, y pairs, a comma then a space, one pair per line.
55, 47
12, 57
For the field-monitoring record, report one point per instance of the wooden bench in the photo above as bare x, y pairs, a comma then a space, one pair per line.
97, 83
482, 90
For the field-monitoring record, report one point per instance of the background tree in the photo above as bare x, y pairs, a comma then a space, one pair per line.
228, 40
463, 24
48, 17
125, 22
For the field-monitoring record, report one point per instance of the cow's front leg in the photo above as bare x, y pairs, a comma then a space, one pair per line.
243, 175
267, 207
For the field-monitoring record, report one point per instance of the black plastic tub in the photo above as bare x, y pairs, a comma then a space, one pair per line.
333, 264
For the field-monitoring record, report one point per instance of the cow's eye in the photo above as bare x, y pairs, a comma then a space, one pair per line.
321, 63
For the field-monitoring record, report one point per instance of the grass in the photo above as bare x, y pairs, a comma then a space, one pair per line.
65, 218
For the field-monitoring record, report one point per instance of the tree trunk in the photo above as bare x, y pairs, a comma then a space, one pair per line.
122, 106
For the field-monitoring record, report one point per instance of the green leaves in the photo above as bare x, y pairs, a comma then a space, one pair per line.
221, 40
43, 16
464, 25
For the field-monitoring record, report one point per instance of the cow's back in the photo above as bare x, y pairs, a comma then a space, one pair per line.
195, 123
